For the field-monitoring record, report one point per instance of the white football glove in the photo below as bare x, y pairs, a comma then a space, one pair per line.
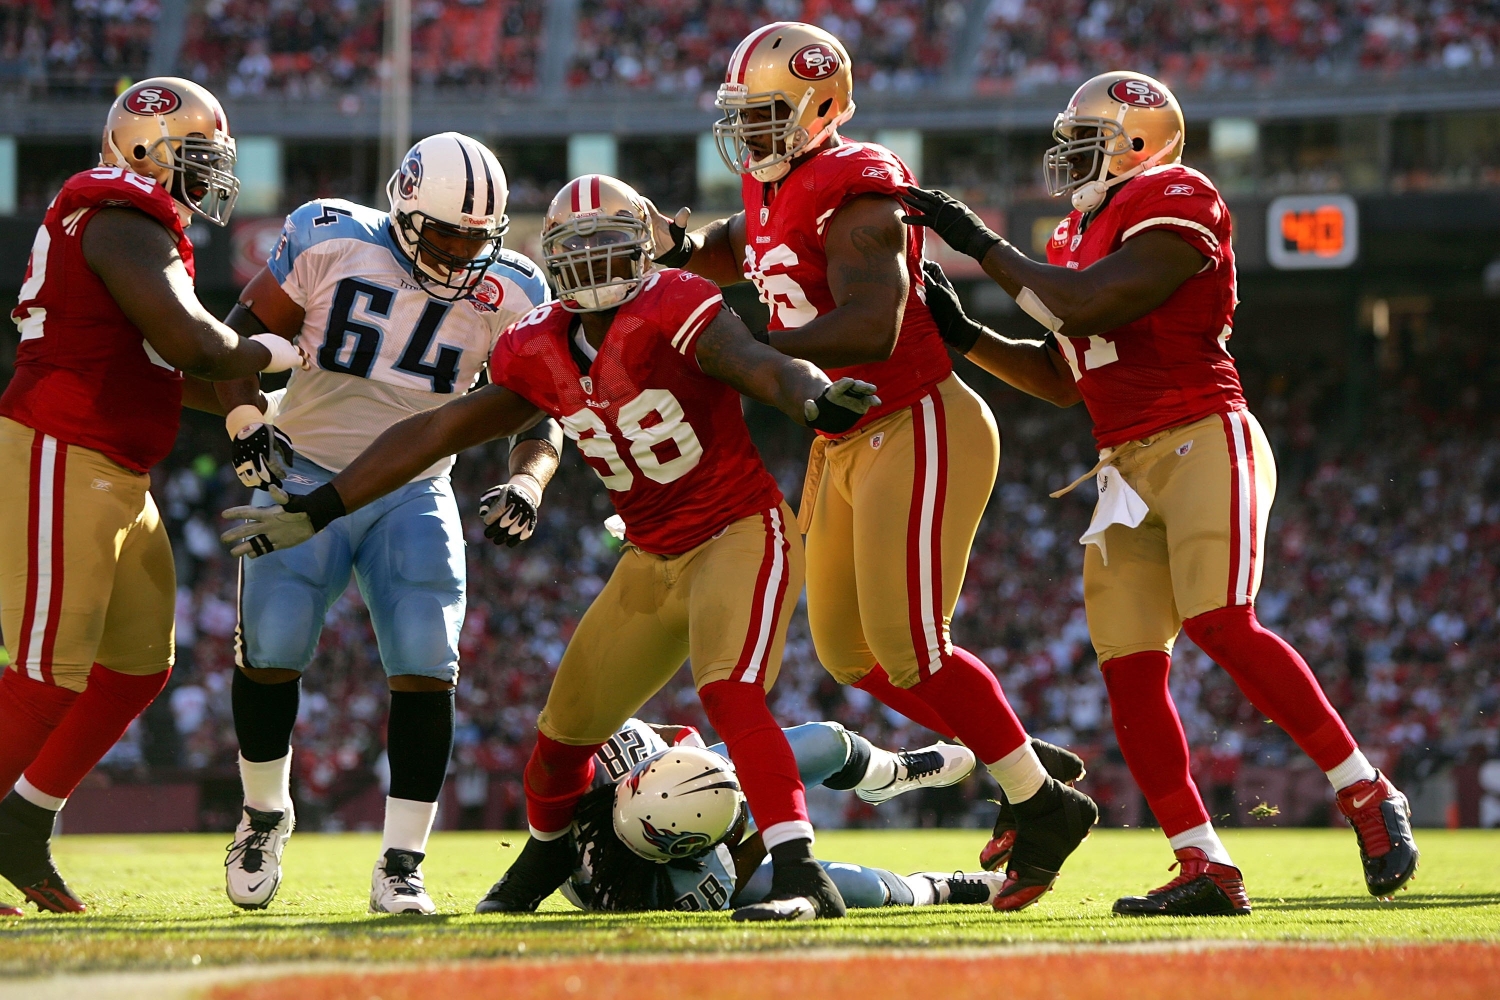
267, 529
509, 511
840, 406
285, 355
260, 452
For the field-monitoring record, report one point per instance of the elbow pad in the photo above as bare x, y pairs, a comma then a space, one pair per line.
1037, 310
546, 430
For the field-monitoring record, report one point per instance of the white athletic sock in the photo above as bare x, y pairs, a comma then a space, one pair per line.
1020, 773
267, 784
545, 836
881, 772
1205, 838
1354, 768
407, 824
37, 797
923, 892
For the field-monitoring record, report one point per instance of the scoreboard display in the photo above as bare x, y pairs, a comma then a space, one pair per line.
1307, 231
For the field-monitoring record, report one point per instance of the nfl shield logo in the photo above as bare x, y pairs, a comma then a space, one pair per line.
587, 383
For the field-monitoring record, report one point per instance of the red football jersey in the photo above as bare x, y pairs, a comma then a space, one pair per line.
785, 227
669, 441
1172, 366
84, 373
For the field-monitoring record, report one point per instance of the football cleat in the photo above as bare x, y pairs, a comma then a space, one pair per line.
799, 891
1065, 766
26, 858
964, 888
252, 869
1202, 888
1381, 818
6, 910
937, 766
1052, 824
396, 884
541, 868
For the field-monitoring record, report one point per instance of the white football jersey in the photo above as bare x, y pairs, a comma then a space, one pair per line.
382, 348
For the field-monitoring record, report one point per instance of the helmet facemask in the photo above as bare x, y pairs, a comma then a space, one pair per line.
440, 272
582, 253
200, 171
782, 126
1107, 142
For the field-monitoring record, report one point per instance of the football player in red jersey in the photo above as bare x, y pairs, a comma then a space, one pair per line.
1138, 296
888, 525
113, 343
643, 368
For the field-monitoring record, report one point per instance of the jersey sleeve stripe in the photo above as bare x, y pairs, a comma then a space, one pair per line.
1167, 220
684, 335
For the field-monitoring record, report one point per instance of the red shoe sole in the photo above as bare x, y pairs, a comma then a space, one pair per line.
1011, 900
11, 911
53, 901
997, 852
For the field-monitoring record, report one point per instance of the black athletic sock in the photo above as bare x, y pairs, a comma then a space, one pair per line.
264, 715
853, 771
419, 740
21, 816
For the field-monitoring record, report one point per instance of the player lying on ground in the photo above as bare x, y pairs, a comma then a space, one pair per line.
666, 828
114, 342
890, 506
644, 368
1138, 296
399, 310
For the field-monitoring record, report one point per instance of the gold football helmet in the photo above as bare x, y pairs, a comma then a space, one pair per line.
1129, 123
175, 132
788, 89
593, 223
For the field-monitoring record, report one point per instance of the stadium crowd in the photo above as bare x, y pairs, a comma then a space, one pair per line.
1381, 569
314, 47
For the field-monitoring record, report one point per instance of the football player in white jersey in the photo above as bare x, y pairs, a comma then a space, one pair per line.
399, 312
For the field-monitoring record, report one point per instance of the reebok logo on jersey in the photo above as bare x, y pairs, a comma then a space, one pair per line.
1179, 189
879, 172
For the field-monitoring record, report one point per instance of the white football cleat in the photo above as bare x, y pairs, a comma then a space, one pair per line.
396, 884
961, 888
252, 871
937, 766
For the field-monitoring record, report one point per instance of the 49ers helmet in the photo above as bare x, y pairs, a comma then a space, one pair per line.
592, 223
802, 67
175, 132
449, 184
1135, 124
677, 804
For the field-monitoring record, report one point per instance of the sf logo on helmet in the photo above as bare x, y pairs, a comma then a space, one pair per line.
815, 62
411, 176
1138, 94
153, 101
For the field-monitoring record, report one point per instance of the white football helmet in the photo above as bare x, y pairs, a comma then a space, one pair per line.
594, 223
451, 185
677, 804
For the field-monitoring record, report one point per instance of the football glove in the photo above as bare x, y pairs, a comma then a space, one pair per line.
291, 521
840, 405
957, 329
951, 219
509, 512
260, 452
682, 248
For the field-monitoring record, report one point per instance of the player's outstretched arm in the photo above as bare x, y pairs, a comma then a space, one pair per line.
727, 351
866, 247
716, 251
1028, 365
1109, 293
510, 510
137, 260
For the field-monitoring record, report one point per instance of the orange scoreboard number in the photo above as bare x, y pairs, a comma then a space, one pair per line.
1312, 231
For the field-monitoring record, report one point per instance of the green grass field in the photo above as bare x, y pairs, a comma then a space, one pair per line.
158, 902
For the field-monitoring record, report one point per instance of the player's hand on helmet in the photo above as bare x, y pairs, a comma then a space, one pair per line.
840, 405
509, 511
951, 219
670, 245
957, 329
260, 453
291, 521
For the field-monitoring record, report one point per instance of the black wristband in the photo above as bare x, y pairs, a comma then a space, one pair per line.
981, 242
323, 506
681, 253
244, 322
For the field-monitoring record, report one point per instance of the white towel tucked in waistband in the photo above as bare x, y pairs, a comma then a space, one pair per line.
1118, 504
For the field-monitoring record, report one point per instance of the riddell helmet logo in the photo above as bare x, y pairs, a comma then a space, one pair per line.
153, 101
1137, 94
815, 62
411, 177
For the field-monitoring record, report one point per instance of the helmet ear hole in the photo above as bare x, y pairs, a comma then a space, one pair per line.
1137, 144
139, 152
823, 108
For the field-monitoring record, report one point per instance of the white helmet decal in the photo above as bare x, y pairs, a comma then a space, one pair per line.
677, 804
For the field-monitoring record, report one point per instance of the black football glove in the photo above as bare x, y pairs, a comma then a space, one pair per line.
840, 405
509, 513
261, 454
957, 329
682, 247
951, 219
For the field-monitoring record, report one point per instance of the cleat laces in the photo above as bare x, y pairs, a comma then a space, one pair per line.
250, 852
964, 891
919, 764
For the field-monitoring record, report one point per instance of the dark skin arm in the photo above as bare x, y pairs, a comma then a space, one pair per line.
200, 395
1028, 365
283, 317
535, 459
718, 249
137, 260
728, 352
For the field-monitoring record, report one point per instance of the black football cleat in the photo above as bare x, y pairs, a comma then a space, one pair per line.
26, 856
799, 891
1065, 766
541, 868
1051, 825
1202, 888
1381, 818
